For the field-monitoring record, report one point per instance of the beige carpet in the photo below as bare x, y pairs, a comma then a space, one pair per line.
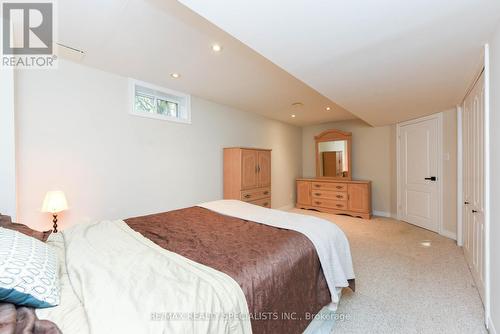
403, 286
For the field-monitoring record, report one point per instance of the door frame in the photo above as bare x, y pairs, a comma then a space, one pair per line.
439, 117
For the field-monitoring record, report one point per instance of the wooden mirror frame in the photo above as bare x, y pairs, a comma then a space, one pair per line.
330, 135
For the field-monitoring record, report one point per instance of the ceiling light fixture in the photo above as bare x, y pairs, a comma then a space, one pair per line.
293, 116
328, 108
216, 48
175, 75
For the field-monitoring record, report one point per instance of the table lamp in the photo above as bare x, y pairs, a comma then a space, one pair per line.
54, 202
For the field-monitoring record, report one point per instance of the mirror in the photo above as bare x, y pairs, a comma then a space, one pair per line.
333, 152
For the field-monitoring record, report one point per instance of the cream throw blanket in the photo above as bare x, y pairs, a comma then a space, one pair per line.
124, 283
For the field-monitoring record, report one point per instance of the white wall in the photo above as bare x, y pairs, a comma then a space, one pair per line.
7, 144
75, 134
450, 173
373, 158
495, 181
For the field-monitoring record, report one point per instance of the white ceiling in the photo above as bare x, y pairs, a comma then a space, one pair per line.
383, 60
150, 39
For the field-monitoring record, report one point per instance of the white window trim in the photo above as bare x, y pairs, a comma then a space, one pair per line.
180, 95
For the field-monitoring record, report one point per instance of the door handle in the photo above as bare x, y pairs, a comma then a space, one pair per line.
466, 203
432, 178
474, 211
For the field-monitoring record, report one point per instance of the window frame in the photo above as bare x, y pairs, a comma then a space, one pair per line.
183, 108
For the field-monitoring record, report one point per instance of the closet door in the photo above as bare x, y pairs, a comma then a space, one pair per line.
249, 172
473, 182
264, 168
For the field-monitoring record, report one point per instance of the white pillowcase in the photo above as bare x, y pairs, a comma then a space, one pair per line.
29, 271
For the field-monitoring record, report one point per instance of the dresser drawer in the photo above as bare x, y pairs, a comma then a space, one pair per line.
329, 203
254, 194
329, 186
335, 195
265, 202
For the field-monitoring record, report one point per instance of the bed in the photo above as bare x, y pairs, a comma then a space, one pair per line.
220, 267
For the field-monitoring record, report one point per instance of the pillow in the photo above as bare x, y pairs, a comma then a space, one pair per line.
29, 271
6, 222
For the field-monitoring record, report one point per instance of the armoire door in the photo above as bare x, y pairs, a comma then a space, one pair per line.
249, 172
264, 168
473, 182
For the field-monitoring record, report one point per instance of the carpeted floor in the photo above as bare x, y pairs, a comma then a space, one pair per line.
403, 286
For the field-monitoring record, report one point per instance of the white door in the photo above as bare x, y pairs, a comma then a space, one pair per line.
473, 182
419, 196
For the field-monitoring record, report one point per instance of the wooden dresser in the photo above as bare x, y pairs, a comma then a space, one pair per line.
247, 175
335, 196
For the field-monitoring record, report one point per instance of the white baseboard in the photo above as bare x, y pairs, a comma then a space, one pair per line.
286, 207
491, 327
449, 234
384, 214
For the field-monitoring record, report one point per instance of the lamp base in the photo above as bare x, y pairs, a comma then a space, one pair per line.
55, 222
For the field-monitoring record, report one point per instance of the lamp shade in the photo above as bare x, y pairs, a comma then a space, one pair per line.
54, 202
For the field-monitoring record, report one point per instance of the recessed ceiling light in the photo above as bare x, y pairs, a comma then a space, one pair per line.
328, 108
297, 104
175, 75
216, 48
293, 116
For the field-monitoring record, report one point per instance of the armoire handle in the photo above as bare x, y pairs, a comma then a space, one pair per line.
474, 211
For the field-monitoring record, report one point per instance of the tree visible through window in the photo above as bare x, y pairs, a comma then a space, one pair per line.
151, 101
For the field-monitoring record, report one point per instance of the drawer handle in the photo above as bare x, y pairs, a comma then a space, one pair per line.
317, 203
317, 185
339, 187
317, 194
266, 192
340, 196
339, 206
247, 196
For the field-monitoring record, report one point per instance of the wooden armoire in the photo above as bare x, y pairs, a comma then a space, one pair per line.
247, 175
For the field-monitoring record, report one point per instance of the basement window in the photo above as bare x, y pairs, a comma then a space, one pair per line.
151, 101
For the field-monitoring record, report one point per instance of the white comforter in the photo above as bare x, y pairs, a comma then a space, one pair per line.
330, 242
116, 281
